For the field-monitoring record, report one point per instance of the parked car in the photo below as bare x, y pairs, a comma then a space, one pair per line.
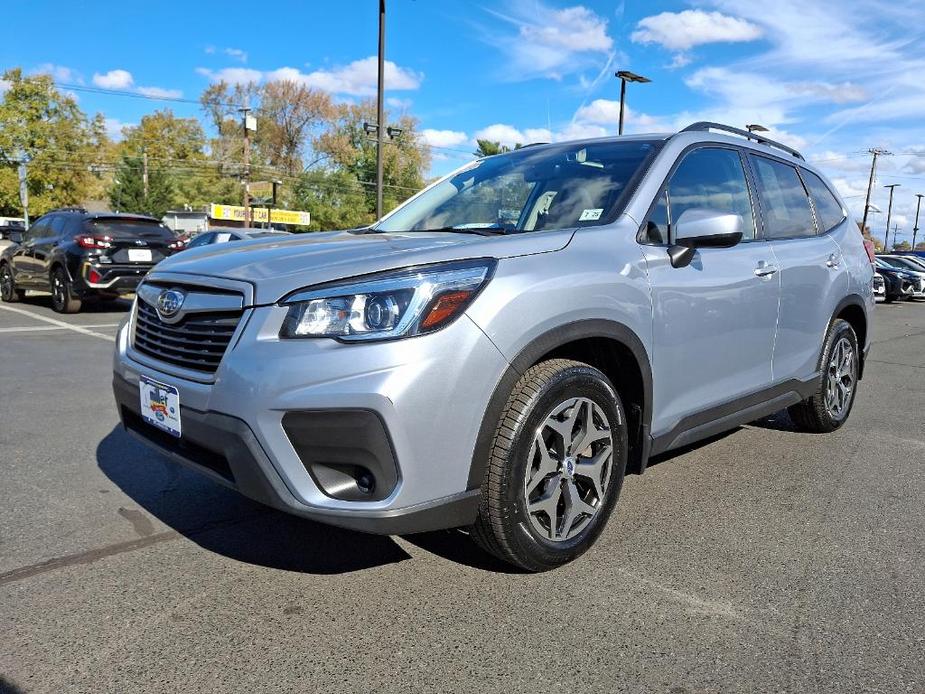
12, 231
79, 255
460, 364
893, 289
906, 262
225, 235
913, 283
879, 286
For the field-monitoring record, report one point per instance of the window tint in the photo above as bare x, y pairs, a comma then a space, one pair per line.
121, 227
708, 178
58, 222
829, 212
784, 203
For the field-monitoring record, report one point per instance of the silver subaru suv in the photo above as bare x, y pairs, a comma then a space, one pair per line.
500, 350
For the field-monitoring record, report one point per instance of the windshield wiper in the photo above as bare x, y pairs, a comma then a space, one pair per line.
464, 229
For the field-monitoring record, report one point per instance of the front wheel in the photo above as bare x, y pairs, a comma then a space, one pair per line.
830, 405
556, 467
62, 295
8, 291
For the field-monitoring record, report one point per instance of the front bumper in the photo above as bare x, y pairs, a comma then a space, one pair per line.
430, 393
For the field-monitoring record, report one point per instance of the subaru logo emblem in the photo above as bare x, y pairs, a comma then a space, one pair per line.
169, 302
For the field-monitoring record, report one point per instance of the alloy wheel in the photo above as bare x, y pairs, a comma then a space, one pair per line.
569, 469
58, 289
6, 284
841, 378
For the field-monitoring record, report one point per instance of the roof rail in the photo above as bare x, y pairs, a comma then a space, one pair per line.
705, 125
69, 208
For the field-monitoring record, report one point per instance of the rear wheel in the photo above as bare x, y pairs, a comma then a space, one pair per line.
8, 290
556, 467
62, 294
831, 404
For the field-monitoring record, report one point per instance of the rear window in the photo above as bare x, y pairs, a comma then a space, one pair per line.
829, 213
130, 227
784, 202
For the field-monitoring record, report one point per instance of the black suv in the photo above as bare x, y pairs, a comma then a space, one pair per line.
78, 255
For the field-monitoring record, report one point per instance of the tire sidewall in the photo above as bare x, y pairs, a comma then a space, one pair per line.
840, 328
62, 307
4, 272
576, 381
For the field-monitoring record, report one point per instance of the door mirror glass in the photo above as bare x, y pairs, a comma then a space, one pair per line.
698, 222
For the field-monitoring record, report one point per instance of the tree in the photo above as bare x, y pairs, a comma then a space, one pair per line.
290, 115
128, 194
902, 246
920, 246
488, 148
334, 198
865, 232
44, 125
349, 148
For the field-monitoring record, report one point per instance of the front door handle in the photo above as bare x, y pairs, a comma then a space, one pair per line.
765, 269
833, 261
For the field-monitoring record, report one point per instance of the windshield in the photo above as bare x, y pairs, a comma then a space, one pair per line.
550, 187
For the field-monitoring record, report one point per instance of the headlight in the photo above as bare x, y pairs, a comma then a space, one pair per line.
386, 306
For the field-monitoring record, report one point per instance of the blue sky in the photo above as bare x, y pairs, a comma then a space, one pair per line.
830, 78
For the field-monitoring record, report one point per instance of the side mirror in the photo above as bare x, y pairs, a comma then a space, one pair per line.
703, 228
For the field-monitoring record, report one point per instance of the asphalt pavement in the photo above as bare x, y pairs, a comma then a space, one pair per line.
762, 561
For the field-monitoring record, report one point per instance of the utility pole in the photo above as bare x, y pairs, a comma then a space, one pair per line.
144, 171
889, 211
915, 229
870, 183
246, 122
380, 109
24, 190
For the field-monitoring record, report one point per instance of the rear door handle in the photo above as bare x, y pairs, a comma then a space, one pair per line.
833, 261
765, 269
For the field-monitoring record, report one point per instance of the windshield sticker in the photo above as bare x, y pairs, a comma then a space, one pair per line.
591, 214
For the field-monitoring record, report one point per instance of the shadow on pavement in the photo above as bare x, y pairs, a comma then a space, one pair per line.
7, 687
98, 306
221, 520
779, 421
676, 452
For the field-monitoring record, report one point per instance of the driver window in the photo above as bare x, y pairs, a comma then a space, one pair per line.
709, 178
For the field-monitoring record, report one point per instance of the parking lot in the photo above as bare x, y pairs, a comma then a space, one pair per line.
764, 560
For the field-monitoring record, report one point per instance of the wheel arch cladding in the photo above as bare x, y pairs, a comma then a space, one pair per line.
611, 347
851, 309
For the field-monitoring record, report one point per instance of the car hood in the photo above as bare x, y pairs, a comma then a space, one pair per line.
278, 266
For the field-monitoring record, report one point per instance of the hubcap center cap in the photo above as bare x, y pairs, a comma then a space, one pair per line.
568, 467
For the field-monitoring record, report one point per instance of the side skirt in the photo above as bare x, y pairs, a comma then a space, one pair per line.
716, 420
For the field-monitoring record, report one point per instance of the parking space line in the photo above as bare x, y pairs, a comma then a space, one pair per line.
60, 324
35, 328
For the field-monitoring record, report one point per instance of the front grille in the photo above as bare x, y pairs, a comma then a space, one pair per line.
197, 342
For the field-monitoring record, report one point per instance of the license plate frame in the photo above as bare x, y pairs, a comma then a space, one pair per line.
160, 405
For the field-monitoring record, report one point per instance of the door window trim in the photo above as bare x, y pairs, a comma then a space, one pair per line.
812, 209
812, 202
663, 191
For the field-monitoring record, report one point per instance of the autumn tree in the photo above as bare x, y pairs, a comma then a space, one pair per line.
347, 147
334, 198
289, 117
47, 127
128, 192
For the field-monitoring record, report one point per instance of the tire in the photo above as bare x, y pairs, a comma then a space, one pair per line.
830, 405
8, 290
62, 293
568, 505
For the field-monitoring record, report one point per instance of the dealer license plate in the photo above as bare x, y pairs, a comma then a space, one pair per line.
139, 255
160, 405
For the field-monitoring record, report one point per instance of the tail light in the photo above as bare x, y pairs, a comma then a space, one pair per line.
869, 247
178, 245
93, 276
87, 241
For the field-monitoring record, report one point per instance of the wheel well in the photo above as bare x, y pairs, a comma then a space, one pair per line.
855, 316
620, 365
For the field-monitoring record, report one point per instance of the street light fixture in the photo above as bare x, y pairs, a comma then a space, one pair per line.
627, 76
756, 128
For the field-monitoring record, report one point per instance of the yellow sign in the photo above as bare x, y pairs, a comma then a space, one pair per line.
235, 213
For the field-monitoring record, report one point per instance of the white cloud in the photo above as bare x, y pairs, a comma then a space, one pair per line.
114, 128
400, 104
160, 92
231, 75
236, 53
358, 78
443, 138
549, 42
59, 73
681, 31
114, 79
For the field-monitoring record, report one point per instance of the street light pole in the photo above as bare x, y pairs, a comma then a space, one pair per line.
627, 76
247, 163
380, 109
915, 229
889, 211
